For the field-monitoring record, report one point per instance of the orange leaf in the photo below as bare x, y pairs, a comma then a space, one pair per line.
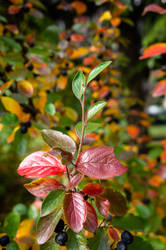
160, 88
62, 82
153, 50
25, 87
77, 38
25, 228
133, 131
79, 6
154, 8
12, 10
11, 137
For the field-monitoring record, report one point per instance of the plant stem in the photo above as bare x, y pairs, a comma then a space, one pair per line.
67, 171
83, 124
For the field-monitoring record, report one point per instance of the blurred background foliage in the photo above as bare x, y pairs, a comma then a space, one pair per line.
42, 45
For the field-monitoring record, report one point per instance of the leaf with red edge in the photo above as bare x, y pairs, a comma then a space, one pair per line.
154, 8
42, 187
41, 164
75, 211
160, 88
153, 50
91, 219
92, 189
100, 162
75, 180
103, 205
113, 233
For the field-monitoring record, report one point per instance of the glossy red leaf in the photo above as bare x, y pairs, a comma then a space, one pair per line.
75, 211
153, 50
75, 180
42, 187
91, 219
100, 162
92, 189
160, 88
103, 205
154, 8
41, 164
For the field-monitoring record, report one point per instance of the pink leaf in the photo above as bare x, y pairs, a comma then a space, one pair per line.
91, 219
42, 187
75, 180
160, 88
103, 205
153, 50
92, 189
100, 162
75, 211
154, 8
41, 164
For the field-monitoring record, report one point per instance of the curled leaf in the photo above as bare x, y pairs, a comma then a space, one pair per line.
58, 140
91, 219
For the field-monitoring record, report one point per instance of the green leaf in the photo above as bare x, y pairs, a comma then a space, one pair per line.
100, 241
11, 224
138, 243
90, 127
97, 70
58, 140
155, 152
12, 246
20, 208
9, 119
129, 222
51, 244
77, 84
52, 202
50, 108
157, 244
3, 19
76, 241
143, 211
95, 108
47, 224
33, 212
11, 42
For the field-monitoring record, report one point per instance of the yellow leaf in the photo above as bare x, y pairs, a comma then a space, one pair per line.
40, 101
62, 82
25, 87
105, 16
71, 114
11, 137
79, 52
11, 105
25, 228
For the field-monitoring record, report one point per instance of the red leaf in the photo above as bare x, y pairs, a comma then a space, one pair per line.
160, 88
91, 219
75, 211
154, 8
92, 189
75, 180
103, 205
113, 233
42, 186
41, 164
100, 162
162, 171
153, 50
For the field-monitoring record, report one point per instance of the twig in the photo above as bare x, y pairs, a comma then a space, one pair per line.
83, 123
